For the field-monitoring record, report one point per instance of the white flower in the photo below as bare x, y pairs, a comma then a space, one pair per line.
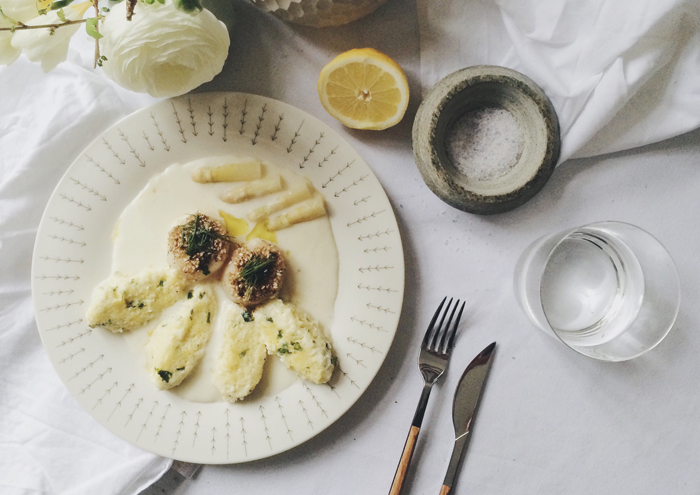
20, 10
39, 45
162, 51
8, 53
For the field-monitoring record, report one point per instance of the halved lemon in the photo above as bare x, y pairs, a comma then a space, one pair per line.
364, 89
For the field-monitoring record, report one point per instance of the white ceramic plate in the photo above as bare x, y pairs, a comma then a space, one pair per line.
73, 253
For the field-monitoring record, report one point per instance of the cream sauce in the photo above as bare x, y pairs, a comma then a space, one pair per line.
140, 243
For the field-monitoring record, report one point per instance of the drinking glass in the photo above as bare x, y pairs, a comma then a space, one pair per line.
608, 290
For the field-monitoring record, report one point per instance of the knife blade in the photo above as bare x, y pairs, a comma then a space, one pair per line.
464, 407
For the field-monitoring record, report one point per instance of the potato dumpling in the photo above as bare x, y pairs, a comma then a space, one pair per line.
297, 339
198, 247
123, 303
239, 366
255, 273
175, 347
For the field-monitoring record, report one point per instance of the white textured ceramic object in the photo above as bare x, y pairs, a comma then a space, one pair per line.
319, 13
73, 253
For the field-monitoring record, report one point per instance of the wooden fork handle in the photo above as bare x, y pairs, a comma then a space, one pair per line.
405, 460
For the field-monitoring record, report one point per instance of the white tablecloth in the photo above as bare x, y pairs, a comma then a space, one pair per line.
551, 421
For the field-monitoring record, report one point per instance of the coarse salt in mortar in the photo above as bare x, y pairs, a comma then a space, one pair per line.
485, 143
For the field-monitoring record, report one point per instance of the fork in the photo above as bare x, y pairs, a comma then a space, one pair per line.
432, 362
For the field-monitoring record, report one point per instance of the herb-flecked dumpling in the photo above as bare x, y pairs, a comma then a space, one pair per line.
123, 303
175, 347
239, 366
297, 339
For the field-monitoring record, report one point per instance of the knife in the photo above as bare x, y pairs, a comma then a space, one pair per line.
464, 408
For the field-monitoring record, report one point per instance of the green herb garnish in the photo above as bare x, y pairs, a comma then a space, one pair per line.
255, 271
296, 345
283, 349
270, 320
208, 317
334, 360
180, 369
279, 334
247, 316
160, 284
165, 375
242, 353
189, 295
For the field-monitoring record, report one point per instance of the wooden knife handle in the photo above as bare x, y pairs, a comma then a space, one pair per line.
445, 490
405, 460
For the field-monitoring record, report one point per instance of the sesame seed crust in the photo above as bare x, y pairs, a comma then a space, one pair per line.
265, 289
205, 262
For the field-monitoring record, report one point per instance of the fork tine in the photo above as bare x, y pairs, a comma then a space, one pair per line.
432, 322
451, 339
436, 331
445, 333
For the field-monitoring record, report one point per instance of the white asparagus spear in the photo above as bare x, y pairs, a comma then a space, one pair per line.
247, 170
253, 189
293, 196
305, 211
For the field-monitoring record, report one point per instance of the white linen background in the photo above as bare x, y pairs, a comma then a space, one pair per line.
551, 421
620, 74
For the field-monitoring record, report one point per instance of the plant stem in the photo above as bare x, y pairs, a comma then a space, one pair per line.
22, 27
97, 42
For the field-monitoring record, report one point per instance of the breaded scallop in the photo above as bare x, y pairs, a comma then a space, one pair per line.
255, 273
198, 246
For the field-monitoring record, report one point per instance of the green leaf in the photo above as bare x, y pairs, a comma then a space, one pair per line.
61, 15
91, 28
189, 6
59, 4
12, 22
164, 375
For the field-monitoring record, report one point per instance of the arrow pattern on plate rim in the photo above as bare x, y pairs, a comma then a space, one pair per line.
376, 234
337, 174
131, 415
99, 377
144, 425
225, 123
294, 139
160, 425
311, 151
65, 325
267, 432
77, 337
258, 125
210, 122
62, 306
244, 112
379, 308
353, 184
243, 432
57, 277
179, 432
327, 157
378, 289
125, 138
166, 147
69, 241
318, 404
87, 367
357, 361
102, 169
107, 392
366, 217
58, 292
278, 125
365, 323
61, 260
114, 153
191, 112
196, 428
353, 340
119, 404
71, 356
179, 123
352, 382
148, 141
284, 418
60, 221
79, 204
306, 413
228, 434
